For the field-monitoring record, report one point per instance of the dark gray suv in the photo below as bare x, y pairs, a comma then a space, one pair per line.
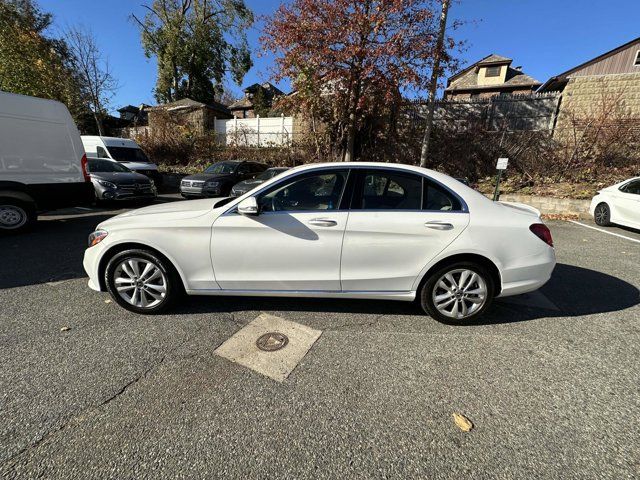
217, 180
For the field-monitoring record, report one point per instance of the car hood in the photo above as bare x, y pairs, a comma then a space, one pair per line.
249, 184
140, 165
210, 176
121, 177
163, 213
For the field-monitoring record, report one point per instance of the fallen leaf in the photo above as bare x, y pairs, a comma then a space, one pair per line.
65, 329
107, 301
462, 422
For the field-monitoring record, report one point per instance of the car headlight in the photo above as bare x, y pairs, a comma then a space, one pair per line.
104, 183
96, 237
212, 184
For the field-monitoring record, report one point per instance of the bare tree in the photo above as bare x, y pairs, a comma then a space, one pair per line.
98, 82
433, 85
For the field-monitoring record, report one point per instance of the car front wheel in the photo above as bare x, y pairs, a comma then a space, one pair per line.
141, 281
458, 293
602, 214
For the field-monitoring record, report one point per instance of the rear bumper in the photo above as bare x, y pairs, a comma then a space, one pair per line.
528, 274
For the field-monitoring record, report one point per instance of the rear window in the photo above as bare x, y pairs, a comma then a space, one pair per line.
126, 154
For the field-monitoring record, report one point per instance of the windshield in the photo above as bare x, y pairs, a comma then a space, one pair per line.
272, 172
222, 167
95, 166
126, 154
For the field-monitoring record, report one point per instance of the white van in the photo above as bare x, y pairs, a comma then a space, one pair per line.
121, 150
42, 161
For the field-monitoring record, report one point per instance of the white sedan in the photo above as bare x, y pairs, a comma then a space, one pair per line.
339, 230
619, 204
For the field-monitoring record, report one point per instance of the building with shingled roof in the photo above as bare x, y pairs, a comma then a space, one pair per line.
490, 76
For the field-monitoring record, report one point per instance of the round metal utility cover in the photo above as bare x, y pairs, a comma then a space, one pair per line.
272, 341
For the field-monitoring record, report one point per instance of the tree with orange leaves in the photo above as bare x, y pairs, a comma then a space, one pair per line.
353, 57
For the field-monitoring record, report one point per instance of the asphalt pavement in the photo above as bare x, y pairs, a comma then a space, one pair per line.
551, 381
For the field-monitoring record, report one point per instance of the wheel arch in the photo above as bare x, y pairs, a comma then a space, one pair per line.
121, 247
466, 257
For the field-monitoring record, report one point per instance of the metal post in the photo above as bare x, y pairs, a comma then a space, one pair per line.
496, 193
258, 125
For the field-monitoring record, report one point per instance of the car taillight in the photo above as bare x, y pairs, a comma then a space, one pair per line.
85, 173
541, 231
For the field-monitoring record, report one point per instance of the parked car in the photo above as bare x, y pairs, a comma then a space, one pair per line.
124, 151
218, 179
42, 162
340, 230
619, 204
246, 185
114, 181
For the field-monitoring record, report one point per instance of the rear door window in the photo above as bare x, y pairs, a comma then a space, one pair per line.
388, 190
437, 198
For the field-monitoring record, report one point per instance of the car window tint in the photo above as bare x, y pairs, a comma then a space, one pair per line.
633, 187
439, 199
388, 190
320, 191
244, 169
101, 152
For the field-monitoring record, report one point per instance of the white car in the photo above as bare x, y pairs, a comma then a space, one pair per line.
339, 230
619, 204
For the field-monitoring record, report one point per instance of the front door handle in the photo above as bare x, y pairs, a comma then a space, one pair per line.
439, 225
323, 222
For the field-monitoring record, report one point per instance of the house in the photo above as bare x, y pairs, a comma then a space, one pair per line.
257, 97
607, 83
199, 117
493, 75
135, 115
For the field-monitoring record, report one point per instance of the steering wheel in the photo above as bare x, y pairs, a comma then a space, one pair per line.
277, 204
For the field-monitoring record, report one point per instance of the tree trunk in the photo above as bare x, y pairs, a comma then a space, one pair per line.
98, 120
433, 86
351, 129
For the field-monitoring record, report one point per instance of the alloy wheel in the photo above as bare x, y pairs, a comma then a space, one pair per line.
602, 214
459, 293
12, 217
140, 282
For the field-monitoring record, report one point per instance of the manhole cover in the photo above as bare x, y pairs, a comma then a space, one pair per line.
272, 341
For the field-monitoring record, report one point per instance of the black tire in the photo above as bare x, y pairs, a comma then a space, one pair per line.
170, 280
602, 215
430, 288
16, 216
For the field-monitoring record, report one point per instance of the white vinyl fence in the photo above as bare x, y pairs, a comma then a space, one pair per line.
255, 132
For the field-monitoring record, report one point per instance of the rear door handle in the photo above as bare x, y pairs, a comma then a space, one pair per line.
323, 222
439, 225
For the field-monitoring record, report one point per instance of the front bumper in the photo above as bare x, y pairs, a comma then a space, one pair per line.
201, 191
122, 195
91, 262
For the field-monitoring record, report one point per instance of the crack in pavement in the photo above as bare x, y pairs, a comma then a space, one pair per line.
78, 418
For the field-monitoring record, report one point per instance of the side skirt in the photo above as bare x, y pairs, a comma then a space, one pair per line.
401, 296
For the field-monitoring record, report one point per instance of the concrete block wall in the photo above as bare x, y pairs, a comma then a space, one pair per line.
584, 95
552, 205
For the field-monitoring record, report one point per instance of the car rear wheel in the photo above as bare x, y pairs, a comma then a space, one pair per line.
16, 216
457, 293
602, 215
141, 281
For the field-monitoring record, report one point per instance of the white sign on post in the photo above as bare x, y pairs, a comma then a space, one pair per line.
502, 163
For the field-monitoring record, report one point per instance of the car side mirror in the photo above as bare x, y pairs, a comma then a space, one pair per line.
248, 206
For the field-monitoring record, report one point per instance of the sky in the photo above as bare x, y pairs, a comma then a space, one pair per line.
545, 37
